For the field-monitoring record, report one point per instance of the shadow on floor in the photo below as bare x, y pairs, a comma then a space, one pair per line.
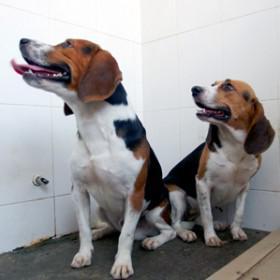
175, 260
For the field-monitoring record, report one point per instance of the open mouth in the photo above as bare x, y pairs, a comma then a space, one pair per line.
221, 113
55, 72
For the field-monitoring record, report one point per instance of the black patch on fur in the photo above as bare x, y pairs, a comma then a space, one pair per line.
67, 110
212, 138
132, 132
155, 191
183, 174
118, 97
246, 95
86, 50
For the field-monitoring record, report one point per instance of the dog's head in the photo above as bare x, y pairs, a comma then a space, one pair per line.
234, 105
76, 67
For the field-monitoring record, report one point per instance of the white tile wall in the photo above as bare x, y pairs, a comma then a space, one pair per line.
25, 151
158, 19
250, 51
160, 75
64, 139
25, 222
262, 210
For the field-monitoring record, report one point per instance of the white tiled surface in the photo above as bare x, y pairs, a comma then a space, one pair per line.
158, 19
192, 14
163, 131
15, 25
236, 8
160, 75
25, 151
65, 217
250, 51
64, 139
262, 210
25, 222
200, 60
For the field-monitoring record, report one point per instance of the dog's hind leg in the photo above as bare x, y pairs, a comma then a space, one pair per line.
178, 203
101, 226
157, 218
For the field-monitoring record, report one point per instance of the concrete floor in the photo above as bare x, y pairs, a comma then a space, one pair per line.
175, 260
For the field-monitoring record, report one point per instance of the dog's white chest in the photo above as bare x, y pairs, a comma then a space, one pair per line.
104, 165
226, 178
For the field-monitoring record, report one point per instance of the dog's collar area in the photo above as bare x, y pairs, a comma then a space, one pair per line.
57, 72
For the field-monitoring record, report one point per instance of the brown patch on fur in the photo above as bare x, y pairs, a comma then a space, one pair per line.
166, 212
94, 75
137, 197
231, 94
173, 188
142, 151
203, 162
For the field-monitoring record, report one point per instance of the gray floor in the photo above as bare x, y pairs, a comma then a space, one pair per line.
174, 260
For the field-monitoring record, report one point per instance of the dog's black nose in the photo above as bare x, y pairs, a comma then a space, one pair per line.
24, 41
196, 90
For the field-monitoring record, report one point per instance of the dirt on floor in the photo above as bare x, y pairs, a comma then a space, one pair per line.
175, 260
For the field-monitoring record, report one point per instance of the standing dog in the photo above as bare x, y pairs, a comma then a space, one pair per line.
112, 160
218, 171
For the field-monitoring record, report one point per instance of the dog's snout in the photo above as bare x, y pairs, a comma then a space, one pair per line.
196, 90
24, 41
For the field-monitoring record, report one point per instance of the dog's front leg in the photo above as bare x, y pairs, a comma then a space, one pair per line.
82, 204
236, 230
203, 197
122, 267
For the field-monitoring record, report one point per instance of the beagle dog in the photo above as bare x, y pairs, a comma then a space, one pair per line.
218, 171
113, 160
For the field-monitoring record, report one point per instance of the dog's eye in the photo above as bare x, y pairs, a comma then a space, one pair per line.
66, 44
228, 87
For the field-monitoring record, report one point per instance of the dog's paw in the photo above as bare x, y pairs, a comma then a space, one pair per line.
187, 235
238, 234
150, 243
81, 259
220, 226
122, 269
214, 241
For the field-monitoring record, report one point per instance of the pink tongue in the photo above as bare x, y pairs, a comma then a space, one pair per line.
22, 68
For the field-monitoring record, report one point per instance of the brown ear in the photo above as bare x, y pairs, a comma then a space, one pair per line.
101, 78
261, 133
67, 110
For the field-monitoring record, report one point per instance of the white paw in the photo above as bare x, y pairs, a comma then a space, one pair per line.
122, 269
150, 243
220, 226
238, 234
214, 241
187, 235
97, 233
81, 259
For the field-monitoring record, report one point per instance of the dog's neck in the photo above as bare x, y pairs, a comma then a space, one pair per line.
227, 140
96, 120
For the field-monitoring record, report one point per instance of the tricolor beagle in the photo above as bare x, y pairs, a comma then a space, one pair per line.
112, 160
218, 171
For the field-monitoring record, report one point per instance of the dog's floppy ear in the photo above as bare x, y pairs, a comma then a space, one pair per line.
261, 133
101, 78
67, 110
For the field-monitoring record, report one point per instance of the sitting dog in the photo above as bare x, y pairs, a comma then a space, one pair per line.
218, 171
112, 160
